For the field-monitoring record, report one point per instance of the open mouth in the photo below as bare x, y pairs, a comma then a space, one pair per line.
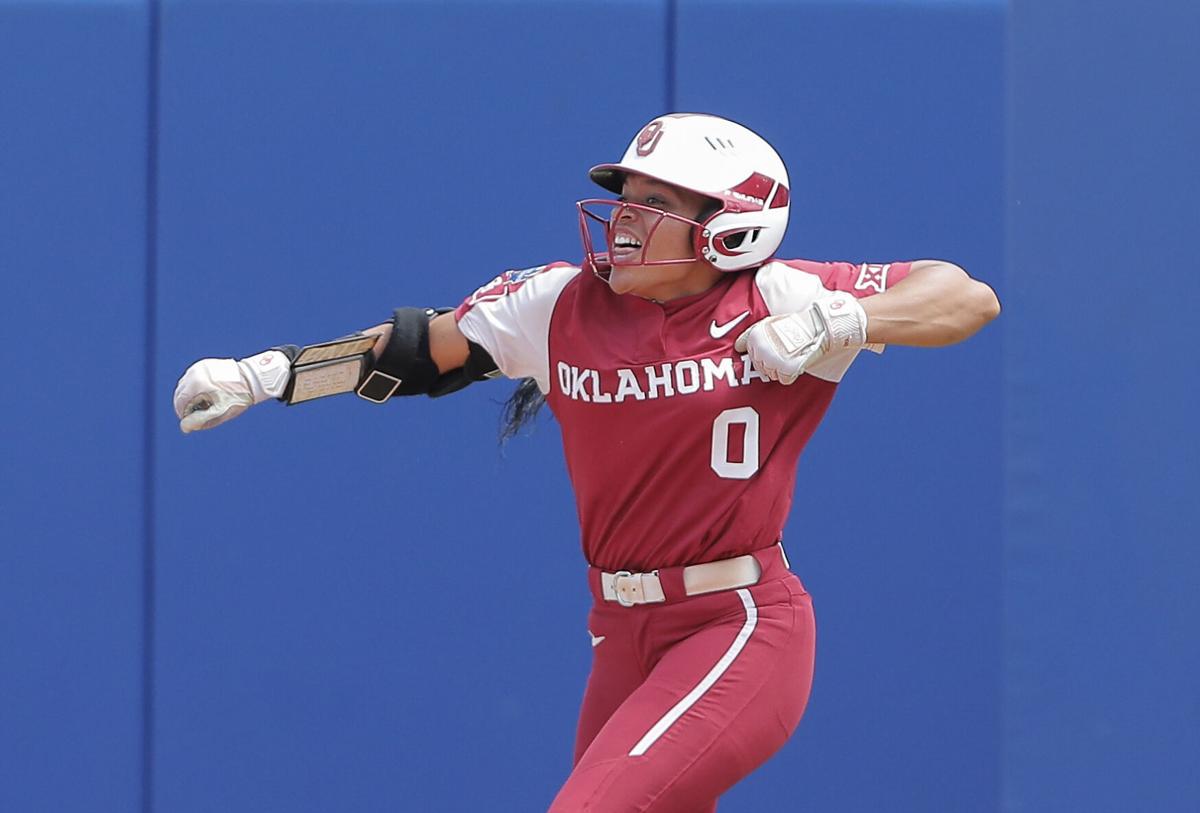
624, 244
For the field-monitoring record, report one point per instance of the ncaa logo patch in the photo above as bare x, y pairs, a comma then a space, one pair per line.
505, 284
521, 274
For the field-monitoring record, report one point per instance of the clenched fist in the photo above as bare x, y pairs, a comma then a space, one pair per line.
213, 391
783, 347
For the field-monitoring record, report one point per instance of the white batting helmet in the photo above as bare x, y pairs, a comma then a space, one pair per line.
722, 160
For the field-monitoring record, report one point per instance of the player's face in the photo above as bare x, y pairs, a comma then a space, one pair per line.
671, 239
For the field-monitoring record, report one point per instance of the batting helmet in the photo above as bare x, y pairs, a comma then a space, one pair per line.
722, 160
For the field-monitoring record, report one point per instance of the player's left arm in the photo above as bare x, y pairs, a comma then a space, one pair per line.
936, 304
932, 304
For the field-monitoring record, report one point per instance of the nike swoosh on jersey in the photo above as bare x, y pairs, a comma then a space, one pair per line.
718, 331
596, 639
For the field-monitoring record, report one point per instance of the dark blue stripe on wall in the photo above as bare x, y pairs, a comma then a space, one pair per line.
148, 450
669, 72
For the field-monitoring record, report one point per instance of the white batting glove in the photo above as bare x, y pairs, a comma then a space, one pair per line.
783, 347
213, 391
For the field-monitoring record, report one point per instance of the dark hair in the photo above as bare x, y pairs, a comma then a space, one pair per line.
711, 208
708, 210
520, 408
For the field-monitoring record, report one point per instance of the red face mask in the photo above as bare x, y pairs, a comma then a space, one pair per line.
617, 255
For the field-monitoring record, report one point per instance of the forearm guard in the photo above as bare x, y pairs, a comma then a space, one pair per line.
404, 367
328, 368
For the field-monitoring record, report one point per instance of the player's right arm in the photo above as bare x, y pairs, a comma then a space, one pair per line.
448, 346
213, 391
502, 328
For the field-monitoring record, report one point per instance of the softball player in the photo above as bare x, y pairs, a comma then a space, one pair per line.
687, 368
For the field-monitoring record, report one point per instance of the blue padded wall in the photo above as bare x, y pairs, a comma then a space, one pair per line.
377, 608
1102, 699
73, 134
367, 607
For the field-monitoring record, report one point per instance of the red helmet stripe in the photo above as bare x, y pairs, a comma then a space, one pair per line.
750, 194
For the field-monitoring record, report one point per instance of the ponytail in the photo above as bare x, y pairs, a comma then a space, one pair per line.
520, 408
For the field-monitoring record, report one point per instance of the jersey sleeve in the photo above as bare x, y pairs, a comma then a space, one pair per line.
860, 280
788, 286
510, 318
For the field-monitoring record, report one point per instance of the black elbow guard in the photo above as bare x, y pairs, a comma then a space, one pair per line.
479, 367
405, 367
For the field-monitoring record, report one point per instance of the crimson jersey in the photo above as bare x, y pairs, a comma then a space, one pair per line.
678, 450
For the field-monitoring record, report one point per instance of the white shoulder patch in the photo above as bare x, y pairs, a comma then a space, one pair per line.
510, 318
786, 289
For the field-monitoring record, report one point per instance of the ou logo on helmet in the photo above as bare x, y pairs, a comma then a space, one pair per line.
649, 137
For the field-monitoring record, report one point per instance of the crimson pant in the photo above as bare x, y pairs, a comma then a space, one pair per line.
687, 697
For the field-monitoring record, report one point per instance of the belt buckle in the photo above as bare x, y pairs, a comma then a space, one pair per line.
624, 602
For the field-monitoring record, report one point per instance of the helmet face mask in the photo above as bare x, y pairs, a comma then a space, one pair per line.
613, 256
713, 157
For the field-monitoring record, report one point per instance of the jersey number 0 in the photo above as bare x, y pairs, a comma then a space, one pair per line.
744, 468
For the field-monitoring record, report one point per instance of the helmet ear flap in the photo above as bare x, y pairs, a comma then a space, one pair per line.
736, 239
732, 241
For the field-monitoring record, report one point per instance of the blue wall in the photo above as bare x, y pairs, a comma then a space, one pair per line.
1102, 699
73, 503
340, 606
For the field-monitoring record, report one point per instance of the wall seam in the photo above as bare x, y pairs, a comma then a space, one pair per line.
669, 73
149, 450
1005, 800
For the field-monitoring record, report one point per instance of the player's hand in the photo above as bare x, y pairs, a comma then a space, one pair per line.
783, 347
213, 391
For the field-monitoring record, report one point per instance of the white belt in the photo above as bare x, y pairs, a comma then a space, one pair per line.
628, 589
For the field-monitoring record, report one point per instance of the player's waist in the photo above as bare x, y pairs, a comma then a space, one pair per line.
669, 584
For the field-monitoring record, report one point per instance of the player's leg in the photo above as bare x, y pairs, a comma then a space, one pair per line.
725, 696
617, 670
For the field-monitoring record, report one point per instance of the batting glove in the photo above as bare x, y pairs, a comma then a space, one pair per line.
213, 391
783, 347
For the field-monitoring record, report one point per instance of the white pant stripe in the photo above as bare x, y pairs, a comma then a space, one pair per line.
704, 685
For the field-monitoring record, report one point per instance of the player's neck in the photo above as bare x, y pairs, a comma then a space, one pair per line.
664, 283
